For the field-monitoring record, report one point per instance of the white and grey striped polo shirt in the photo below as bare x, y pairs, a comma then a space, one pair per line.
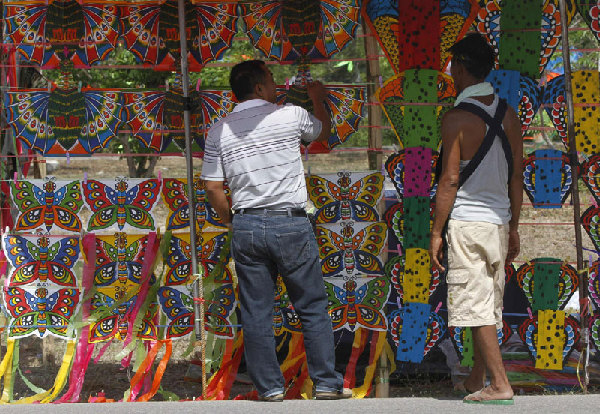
256, 148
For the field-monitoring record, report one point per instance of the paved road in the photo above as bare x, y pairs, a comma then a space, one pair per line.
545, 404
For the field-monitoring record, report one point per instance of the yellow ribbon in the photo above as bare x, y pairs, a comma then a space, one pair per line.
361, 392
59, 381
6, 370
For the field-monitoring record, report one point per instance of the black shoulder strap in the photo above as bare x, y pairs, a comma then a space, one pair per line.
494, 129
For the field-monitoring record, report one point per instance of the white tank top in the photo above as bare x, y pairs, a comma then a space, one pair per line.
484, 196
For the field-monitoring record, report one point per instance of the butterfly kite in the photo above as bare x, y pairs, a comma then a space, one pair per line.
513, 29
126, 202
64, 121
547, 178
156, 117
176, 296
353, 249
40, 310
300, 31
415, 330
118, 279
345, 196
175, 196
585, 96
47, 204
51, 32
42, 260
417, 125
358, 303
151, 32
418, 33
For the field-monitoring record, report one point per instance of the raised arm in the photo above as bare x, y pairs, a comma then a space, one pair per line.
317, 93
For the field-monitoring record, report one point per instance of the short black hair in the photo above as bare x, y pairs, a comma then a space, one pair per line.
475, 54
245, 76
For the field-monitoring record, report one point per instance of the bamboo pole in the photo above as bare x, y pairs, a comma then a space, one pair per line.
375, 154
574, 163
199, 330
375, 158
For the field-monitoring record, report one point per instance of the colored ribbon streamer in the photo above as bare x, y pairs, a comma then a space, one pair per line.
358, 346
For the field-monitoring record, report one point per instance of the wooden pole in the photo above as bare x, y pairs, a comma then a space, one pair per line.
574, 163
375, 158
374, 153
199, 330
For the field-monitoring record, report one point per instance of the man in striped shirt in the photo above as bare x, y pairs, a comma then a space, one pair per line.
256, 148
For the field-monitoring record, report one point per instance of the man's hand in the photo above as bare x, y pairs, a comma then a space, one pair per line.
436, 252
316, 91
514, 246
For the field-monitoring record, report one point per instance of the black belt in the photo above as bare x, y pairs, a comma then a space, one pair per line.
290, 212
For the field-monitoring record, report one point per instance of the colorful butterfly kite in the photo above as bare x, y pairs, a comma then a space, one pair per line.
64, 120
586, 87
395, 272
411, 172
548, 283
178, 304
547, 178
345, 196
175, 196
594, 284
513, 30
47, 203
40, 310
590, 11
176, 296
41, 260
156, 118
355, 248
151, 32
417, 125
550, 337
418, 33
118, 279
300, 29
358, 303
429, 328
47, 33
520, 92
179, 258
344, 103
127, 202
590, 172
411, 220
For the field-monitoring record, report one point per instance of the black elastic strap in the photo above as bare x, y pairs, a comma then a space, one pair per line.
494, 129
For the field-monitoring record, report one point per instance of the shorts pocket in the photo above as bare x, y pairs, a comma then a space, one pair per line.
457, 276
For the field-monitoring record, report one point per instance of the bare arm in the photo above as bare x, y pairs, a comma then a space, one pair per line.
218, 200
447, 184
317, 93
515, 186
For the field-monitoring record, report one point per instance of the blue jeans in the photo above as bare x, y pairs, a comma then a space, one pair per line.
263, 247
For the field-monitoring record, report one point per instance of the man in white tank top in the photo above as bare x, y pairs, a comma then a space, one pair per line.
482, 215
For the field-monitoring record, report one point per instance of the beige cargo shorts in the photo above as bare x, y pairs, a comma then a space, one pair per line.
476, 254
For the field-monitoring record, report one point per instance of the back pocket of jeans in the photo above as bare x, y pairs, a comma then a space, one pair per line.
295, 247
